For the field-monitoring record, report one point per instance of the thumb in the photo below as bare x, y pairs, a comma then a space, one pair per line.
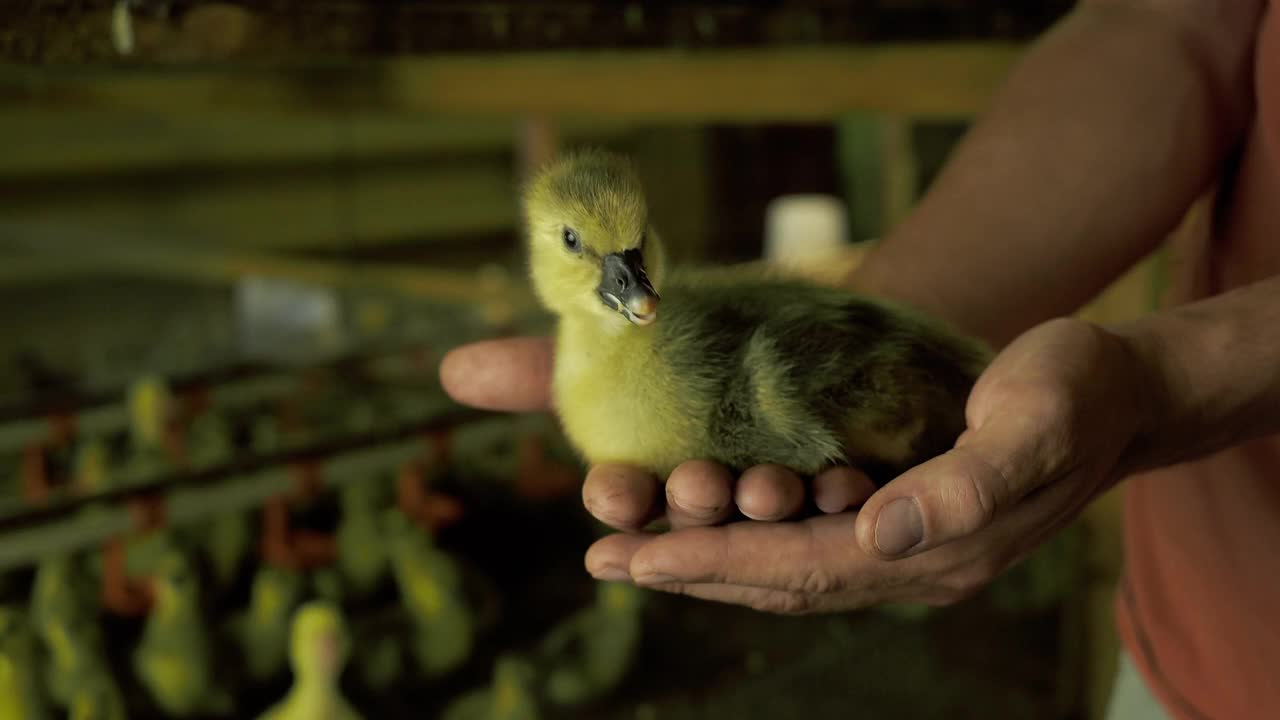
511, 374
957, 494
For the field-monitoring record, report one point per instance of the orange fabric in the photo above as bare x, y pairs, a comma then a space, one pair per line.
1199, 606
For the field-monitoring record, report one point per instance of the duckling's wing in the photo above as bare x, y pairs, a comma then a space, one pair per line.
810, 376
892, 383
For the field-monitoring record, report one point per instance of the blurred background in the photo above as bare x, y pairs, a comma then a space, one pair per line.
235, 240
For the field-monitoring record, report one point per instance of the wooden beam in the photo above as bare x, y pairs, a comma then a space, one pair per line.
107, 31
781, 85
118, 254
880, 171
242, 483
329, 205
20, 270
104, 142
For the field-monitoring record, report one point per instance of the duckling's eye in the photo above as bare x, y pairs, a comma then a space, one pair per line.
571, 240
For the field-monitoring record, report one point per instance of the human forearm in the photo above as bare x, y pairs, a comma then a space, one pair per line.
1092, 152
1211, 374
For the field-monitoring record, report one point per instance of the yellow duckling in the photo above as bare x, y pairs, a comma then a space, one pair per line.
319, 647
431, 587
589, 654
97, 700
59, 591
226, 538
734, 366
362, 553
79, 677
150, 404
512, 695
64, 615
91, 467
173, 659
20, 697
263, 630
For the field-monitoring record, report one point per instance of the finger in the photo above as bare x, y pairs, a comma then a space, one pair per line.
815, 556
839, 488
609, 558
699, 492
621, 496
959, 493
769, 492
762, 599
1009, 539
510, 374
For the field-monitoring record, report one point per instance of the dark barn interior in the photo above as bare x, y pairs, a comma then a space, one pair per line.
236, 239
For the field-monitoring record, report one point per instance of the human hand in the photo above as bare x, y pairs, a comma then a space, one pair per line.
1048, 426
515, 375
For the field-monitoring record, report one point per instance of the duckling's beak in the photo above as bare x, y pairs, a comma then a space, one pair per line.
624, 287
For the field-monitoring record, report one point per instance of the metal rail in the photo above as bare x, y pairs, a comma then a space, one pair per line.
79, 523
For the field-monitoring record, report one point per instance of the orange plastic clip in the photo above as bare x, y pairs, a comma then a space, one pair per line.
285, 547
539, 477
35, 474
430, 510
62, 428
121, 594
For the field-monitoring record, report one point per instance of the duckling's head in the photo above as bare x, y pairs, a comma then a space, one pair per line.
54, 583
318, 644
619, 598
149, 406
175, 582
591, 250
513, 675
91, 467
273, 592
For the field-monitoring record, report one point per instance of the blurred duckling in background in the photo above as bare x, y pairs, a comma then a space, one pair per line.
227, 537
262, 632
362, 552
512, 696
60, 590
65, 616
97, 701
20, 697
150, 406
431, 589
113, 569
588, 654
265, 434
173, 660
79, 677
735, 366
209, 441
90, 467
380, 664
318, 650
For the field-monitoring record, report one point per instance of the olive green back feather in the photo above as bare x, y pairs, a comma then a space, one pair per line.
809, 376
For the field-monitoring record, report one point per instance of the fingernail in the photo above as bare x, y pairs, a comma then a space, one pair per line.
657, 579
610, 573
899, 526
